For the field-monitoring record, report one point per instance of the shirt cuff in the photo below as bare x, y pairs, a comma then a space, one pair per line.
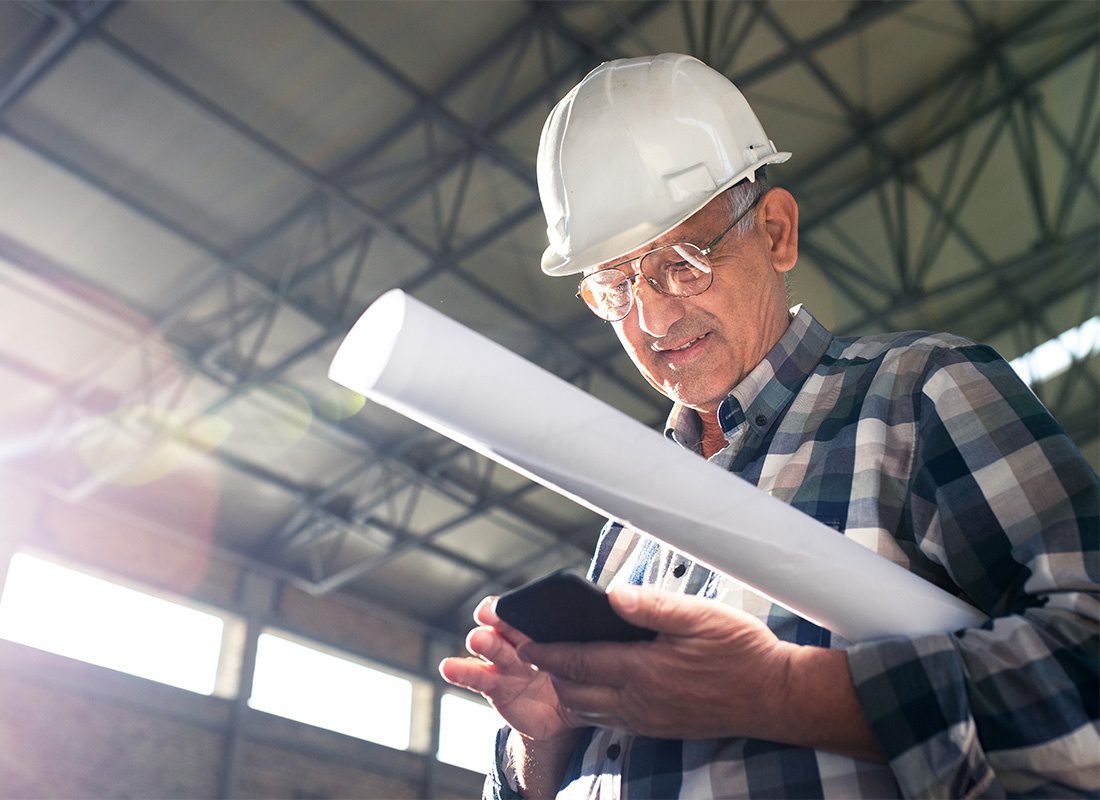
500, 783
913, 695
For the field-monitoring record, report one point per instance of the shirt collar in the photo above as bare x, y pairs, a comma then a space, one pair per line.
762, 396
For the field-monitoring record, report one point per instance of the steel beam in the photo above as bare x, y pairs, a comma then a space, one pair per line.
16, 256
76, 29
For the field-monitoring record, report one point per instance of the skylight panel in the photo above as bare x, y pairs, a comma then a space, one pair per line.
73, 614
1054, 357
305, 684
467, 732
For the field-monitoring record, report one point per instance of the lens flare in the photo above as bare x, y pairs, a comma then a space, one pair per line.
337, 403
143, 443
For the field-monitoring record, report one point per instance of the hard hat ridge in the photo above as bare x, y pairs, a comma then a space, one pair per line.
637, 147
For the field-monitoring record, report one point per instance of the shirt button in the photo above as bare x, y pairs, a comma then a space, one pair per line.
679, 570
761, 419
613, 752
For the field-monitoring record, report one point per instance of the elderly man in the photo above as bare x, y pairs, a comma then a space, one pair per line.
924, 447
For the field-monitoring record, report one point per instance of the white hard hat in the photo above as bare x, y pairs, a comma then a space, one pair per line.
636, 148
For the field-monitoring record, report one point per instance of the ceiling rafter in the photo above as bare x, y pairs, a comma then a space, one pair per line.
870, 128
234, 389
40, 61
439, 261
970, 68
312, 261
37, 265
427, 103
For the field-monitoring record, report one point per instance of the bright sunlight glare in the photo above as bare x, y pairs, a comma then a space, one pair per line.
54, 608
316, 688
467, 732
1053, 357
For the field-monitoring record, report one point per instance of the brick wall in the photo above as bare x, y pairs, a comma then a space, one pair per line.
269, 771
73, 730
63, 744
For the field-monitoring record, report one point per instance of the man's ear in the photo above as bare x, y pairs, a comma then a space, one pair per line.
779, 213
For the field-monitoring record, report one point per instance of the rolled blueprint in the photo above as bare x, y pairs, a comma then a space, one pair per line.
409, 357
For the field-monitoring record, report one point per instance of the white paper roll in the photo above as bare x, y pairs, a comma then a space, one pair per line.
411, 358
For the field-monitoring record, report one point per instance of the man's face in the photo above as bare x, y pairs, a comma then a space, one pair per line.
694, 350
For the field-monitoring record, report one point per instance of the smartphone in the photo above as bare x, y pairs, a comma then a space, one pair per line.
564, 607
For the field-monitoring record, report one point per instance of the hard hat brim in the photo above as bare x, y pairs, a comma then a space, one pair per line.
555, 264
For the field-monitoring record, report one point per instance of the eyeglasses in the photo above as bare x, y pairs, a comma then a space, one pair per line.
680, 270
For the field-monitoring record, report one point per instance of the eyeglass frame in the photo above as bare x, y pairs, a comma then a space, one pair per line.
704, 251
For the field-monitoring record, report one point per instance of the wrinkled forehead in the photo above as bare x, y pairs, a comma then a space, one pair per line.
694, 229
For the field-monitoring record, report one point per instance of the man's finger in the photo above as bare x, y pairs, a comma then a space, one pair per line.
585, 719
490, 645
585, 699
664, 612
470, 673
599, 663
486, 614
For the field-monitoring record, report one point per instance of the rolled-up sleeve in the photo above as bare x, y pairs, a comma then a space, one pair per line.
1002, 501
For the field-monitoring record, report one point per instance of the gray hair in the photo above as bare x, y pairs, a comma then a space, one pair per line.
738, 198
742, 195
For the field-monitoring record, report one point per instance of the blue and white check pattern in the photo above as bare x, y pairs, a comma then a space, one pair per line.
927, 449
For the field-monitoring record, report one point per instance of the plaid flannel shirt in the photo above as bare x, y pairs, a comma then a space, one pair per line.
928, 449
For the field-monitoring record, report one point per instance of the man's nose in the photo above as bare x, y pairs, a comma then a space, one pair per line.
657, 311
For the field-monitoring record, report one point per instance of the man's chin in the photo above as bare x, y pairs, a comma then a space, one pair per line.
700, 401
685, 392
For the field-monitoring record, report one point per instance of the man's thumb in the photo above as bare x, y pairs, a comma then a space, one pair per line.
664, 612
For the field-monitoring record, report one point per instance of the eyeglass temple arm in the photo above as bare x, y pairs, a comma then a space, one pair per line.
707, 250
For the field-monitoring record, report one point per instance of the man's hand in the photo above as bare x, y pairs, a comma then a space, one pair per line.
712, 672
542, 738
524, 697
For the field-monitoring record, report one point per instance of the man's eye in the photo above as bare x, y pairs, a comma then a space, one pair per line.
680, 271
616, 289
609, 279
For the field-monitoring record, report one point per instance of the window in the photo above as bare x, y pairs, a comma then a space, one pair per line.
467, 732
54, 608
1053, 357
304, 684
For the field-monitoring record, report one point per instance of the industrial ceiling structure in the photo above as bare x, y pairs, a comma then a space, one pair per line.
197, 200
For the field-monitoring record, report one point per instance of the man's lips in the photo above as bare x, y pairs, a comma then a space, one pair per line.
663, 347
682, 352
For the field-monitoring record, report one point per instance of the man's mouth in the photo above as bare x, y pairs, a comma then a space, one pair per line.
661, 349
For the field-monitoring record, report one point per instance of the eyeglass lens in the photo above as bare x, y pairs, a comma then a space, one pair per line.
681, 270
